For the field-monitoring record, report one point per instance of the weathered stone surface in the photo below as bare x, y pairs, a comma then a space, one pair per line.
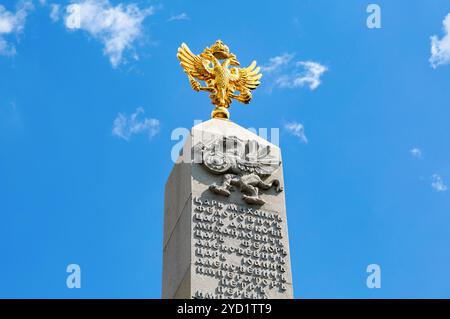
225, 228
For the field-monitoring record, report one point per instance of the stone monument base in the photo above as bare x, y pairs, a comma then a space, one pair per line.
225, 228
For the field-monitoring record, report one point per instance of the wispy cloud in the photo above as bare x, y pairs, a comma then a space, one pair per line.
179, 17
438, 183
416, 152
305, 73
55, 9
116, 27
284, 72
440, 48
125, 126
55, 12
277, 62
12, 24
297, 129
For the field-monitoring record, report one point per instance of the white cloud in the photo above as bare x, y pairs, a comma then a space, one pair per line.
277, 62
12, 24
179, 17
437, 183
440, 49
416, 152
55, 12
305, 73
125, 126
285, 73
117, 28
298, 130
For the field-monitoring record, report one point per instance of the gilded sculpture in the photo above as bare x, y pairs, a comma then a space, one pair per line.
222, 82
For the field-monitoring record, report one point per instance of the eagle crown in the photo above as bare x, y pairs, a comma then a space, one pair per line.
220, 50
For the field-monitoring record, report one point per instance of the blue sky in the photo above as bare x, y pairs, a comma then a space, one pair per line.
87, 111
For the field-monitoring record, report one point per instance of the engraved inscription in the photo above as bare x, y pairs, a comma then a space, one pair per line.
239, 250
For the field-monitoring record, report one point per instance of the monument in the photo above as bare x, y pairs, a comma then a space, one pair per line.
225, 227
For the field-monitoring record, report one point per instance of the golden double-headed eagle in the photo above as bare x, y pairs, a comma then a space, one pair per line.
223, 83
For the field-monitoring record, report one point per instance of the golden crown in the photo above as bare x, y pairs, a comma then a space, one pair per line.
220, 50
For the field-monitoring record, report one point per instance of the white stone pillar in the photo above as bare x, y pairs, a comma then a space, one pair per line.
225, 227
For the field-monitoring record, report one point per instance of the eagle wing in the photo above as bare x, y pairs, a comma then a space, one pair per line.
194, 65
246, 79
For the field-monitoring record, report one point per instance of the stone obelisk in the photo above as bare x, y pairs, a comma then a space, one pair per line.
225, 227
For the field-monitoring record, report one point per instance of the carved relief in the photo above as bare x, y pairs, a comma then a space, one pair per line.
244, 165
